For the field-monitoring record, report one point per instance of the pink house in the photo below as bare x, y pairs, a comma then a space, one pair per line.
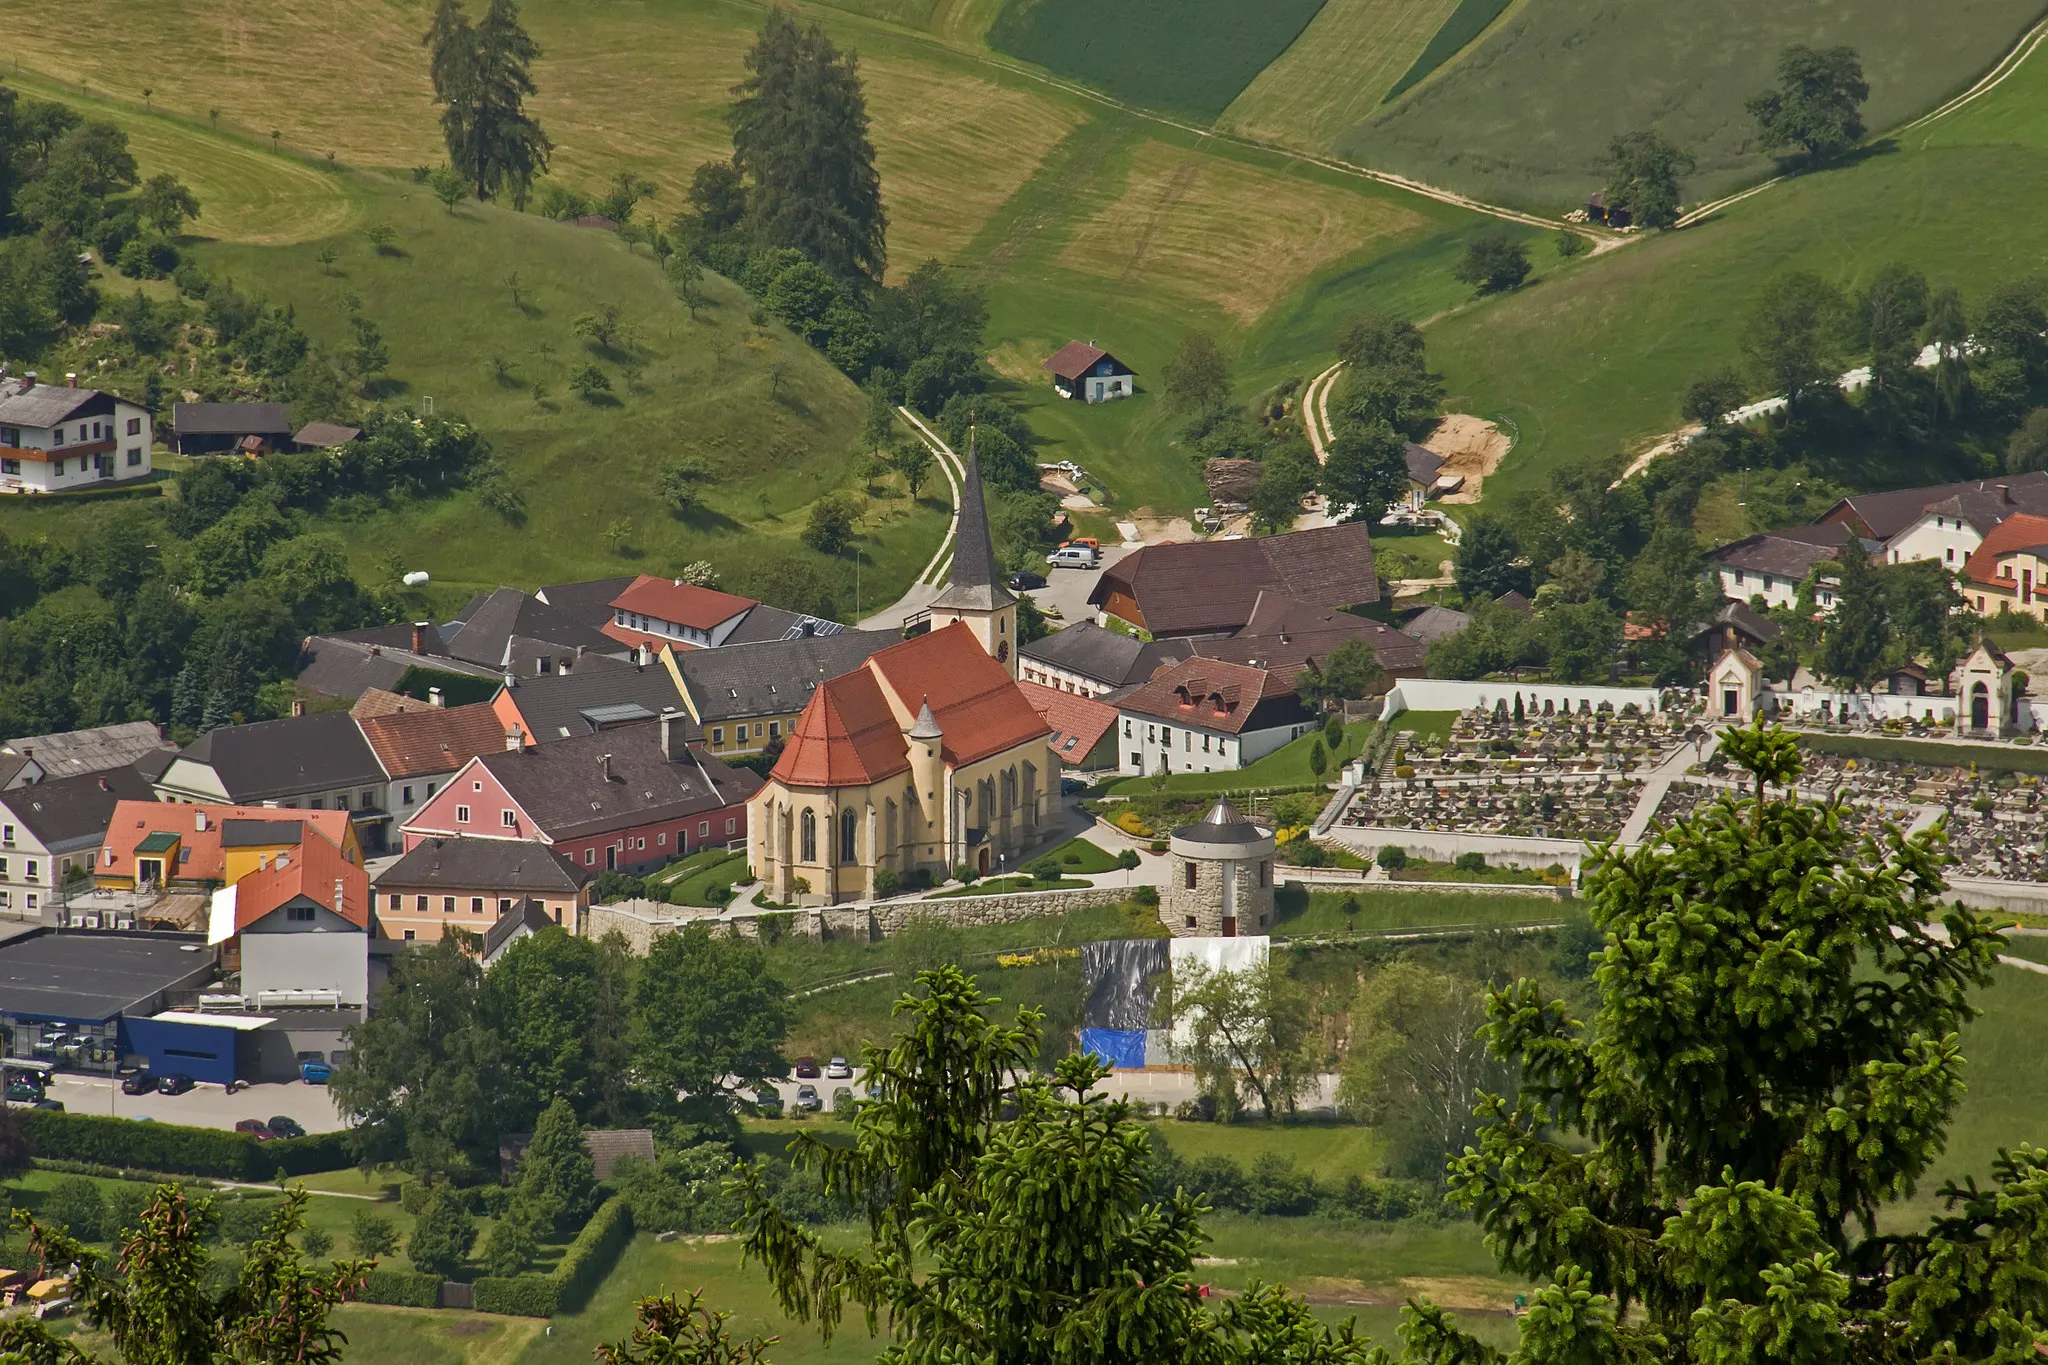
625, 800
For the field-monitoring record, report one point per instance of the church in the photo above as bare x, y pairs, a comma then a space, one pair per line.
925, 757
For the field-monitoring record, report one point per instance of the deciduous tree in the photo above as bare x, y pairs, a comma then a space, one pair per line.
1366, 470
1417, 1064
1817, 106
1246, 1033
1198, 376
1494, 262
1794, 338
1349, 672
165, 204
708, 1017
1642, 173
1484, 563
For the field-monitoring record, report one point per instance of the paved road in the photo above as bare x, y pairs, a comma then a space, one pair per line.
208, 1106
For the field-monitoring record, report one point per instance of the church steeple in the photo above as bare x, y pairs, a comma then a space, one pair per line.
974, 590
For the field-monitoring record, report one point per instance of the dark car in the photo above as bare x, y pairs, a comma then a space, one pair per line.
807, 1068
24, 1092
139, 1082
255, 1128
286, 1127
1025, 582
176, 1085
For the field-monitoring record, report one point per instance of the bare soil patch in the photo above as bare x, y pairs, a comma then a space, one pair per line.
1472, 448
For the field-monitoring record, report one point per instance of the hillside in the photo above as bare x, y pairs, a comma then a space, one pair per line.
1082, 220
1524, 116
774, 421
1596, 361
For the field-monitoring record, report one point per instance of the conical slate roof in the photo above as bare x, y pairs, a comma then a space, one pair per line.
974, 583
1222, 825
927, 725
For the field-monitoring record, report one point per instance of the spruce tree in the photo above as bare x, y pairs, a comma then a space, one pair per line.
800, 137
481, 75
557, 1174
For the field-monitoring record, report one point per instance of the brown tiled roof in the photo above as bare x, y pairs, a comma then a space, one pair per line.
1212, 693
1212, 585
1286, 633
198, 829
590, 784
686, 604
1073, 360
1078, 723
310, 870
418, 739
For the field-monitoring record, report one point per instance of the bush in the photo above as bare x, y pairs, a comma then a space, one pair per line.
371, 1234
1470, 862
1147, 896
589, 1258
178, 1149
412, 1196
966, 874
75, 1205
442, 1238
243, 1217
1392, 857
1045, 870
887, 882
316, 1242
401, 1289
522, 1296
125, 1203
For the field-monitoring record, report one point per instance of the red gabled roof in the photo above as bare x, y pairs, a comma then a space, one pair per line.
846, 737
2020, 532
1074, 359
421, 739
686, 604
850, 735
310, 870
135, 821
1078, 723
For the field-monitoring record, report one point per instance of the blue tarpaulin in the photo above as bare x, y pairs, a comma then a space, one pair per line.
1116, 1046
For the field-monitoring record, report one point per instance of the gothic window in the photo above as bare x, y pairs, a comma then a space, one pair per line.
809, 825
846, 853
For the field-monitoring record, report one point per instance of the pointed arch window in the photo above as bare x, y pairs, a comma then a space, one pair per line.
846, 832
809, 836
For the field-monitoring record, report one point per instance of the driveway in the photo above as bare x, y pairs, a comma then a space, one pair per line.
1066, 590
207, 1106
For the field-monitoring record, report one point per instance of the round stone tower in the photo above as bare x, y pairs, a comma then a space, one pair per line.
1221, 881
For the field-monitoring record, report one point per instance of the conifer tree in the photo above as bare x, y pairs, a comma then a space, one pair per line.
800, 138
481, 75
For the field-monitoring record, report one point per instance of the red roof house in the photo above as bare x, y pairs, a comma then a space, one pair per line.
669, 612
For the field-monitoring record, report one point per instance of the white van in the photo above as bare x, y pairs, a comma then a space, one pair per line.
1074, 557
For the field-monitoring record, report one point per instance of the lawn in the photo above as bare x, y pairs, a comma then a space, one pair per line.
424, 1336
1423, 726
1079, 858
1464, 24
1003, 886
1384, 911
1327, 1151
1525, 115
1420, 870
1186, 57
1999, 758
695, 889
1285, 767
1336, 72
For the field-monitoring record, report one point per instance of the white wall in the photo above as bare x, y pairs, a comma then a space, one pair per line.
329, 954
1443, 694
1182, 746
1806, 702
79, 470
1739, 585
1060, 679
1950, 540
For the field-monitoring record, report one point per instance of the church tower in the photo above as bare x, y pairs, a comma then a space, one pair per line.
974, 589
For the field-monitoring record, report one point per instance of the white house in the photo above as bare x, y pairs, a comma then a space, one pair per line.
660, 611
301, 928
51, 830
1773, 565
53, 439
1085, 372
1207, 715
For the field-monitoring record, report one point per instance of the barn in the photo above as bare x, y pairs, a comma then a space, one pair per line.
1085, 372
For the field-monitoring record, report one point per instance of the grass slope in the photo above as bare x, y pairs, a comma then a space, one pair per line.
1526, 115
1335, 74
1470, 19
1188, 57
1595, 361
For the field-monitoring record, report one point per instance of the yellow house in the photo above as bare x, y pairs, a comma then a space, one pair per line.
164, 843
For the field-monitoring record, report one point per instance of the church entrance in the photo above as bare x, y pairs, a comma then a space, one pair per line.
1980, 707
981, 860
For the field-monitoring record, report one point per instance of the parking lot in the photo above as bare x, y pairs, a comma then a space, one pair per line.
205, 1106
1066, 590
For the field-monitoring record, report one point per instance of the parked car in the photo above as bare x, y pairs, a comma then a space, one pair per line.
768, 1102
176, 1084
255, 1128
1073, 557
315, 1073
807, 1099
284, 1127
138, 1082
807, 1068
838, 1070
1025, 582
842, 1099
24, 1092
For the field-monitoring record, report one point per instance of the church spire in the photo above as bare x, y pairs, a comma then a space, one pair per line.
974, 584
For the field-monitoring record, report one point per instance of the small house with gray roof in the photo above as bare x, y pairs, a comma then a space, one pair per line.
214, 428
53, 828
745, 697
1093, 661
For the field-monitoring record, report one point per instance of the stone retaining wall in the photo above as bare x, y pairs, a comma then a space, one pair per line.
643, 921
1443, 846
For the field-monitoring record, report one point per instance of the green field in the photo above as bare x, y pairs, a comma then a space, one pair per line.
1383, 911
1188, 57
1337, 71
1525, 116
1470, 19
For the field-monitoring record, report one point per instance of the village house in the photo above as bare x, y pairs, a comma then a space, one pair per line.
419, 745
324, 436
516, 632
298, 927
1426, 478
409, 658
746, 697
1083, 371
136, 744
318, 761
215, 428
1208, 715
1210, 587
624, 800
1083, 736
523, 920
1894, 519
598, 695
1285, 634
664, 613
157, 844
470, 884
54, 439
50, 837
1774, 565
2008, 571
1093, 661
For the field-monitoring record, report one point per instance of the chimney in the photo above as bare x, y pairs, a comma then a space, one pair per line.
28, 751
2004, 491
339, 899
298, 707
604, 768
673, 728
419, 637
434, 697
71, 379
262, 862
199, 821
105, 785
510, 681
643, 655
579, 652
28, 381
515, 739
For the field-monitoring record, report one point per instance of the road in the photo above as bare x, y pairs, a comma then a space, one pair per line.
920, 594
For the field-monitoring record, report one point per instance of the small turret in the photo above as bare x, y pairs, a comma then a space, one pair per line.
927, 765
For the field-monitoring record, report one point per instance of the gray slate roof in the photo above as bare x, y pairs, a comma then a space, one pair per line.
974, 582
97, 750
45, 405
771, 678
763, 623
231, 419
556, 705
524, 918
73, 810
1424, 464
494, 865
588, 603
1105, 656
564, 789
276, 758
348, 666
325, 435
491, 620
1434, 622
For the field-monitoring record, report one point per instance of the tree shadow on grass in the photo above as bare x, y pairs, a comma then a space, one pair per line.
702, 518
385, 387
600, 400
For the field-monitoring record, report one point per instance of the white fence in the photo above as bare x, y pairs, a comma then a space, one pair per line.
1443, 694
1880, 706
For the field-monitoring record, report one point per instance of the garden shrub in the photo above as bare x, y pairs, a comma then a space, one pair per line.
590, 1257
1392, 857
401, 1289
523, 1296
175, 1148
1470, 862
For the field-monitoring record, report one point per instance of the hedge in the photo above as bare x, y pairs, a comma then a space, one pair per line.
582, 1269
401, 1289
170, 1147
